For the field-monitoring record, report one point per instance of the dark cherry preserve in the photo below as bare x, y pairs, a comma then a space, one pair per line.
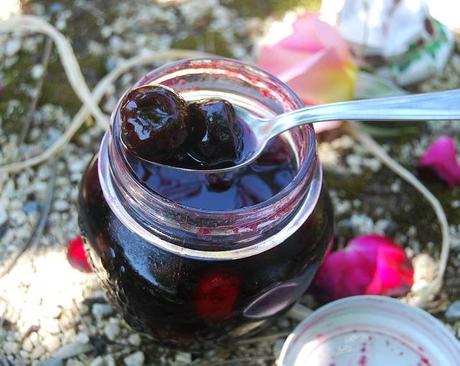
196, 259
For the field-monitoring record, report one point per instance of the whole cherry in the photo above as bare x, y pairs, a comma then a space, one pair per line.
153, 122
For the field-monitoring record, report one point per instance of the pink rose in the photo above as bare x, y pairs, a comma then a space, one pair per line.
313, 59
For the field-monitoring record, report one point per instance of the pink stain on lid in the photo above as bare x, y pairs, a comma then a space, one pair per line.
368, 338
425, 361
363, 361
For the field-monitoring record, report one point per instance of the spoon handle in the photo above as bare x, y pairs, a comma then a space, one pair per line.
442, 105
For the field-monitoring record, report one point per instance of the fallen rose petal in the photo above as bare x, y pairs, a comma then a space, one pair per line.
369, 265
441, 157
313, 59
76, 255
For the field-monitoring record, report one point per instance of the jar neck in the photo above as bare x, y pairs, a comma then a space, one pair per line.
198, 233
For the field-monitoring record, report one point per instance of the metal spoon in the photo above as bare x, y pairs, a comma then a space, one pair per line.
442, 105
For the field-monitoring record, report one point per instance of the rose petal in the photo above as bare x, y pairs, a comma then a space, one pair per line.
393, 273
441, 157
324, 78
313, 59
76, 255
370, 264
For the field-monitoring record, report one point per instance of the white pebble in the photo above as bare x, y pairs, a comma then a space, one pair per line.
98, 361
103, 361
183, 357
37, 71
82, 338
454, 311
43, 172
101, 311
51, 343
10, 347
106, 31
135, 340
396, 186
135, 359
12, 46
37, 352
61, 205
112, 330
77, 166
27, 345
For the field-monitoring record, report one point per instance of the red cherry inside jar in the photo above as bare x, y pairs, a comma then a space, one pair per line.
197, 259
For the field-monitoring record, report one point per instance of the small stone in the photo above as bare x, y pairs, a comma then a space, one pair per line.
50, 326
135, 340
74, 363
34, 338
82, 338
53, 362
61, 205
84, 309
453, 312
37, 71
51, 343
103, 361
37, 352
101, 311
30, 207
112, 330
98, 361
183, 357
24, 354
109, 360
77, 166
71, 350
44, 172
134, 359
27, 345
10, 348
12, 46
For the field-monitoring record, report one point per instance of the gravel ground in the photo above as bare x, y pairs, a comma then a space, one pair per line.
62, 312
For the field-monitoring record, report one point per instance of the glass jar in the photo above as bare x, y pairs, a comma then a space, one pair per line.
192, 277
